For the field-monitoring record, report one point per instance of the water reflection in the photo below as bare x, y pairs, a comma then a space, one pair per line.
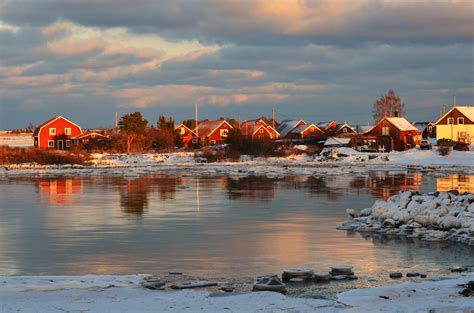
461, 183
209, 226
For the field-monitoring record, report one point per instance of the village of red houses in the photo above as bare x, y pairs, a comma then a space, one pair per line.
388, 134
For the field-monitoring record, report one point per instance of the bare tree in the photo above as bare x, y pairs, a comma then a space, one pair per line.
389, 105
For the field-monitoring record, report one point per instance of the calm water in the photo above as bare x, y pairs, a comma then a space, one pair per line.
207, 226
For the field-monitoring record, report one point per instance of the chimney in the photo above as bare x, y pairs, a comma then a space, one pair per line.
395, 114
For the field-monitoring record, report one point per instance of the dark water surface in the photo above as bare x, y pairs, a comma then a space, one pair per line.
207, 226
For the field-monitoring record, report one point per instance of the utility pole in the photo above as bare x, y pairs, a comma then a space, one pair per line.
454, 101
116, 120
273, 118
197, 131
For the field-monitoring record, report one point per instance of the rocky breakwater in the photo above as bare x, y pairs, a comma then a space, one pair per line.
432, 216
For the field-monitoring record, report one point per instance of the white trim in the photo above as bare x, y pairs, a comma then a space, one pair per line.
304, 129
50, 146
192, 131
449, 112
52, 131
66, 130
460, 118
212, 142
68, 143
62, 144
59, 116
224, 121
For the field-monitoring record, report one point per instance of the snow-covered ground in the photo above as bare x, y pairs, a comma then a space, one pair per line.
13, 140
339, 161
93, 293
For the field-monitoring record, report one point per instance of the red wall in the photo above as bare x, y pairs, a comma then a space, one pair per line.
59, 124
216, 135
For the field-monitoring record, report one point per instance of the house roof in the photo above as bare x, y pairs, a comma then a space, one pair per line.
192, 131
286, 126
302, 128
363, 128
324, 124
340, 126
421, 126
467, 111
206, 128
401, 123
38, 129
334, 141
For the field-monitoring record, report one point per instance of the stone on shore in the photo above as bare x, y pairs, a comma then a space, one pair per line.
269, 282
395, 275
153, 282
297, 273
322, 277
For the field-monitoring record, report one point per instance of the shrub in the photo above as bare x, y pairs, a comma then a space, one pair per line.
11, 155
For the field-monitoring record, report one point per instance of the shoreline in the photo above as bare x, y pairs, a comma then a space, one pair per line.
123, 293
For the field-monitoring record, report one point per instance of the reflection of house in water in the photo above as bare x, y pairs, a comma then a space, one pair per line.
134, 192
60, 191
256, 188
461, 183
383, 185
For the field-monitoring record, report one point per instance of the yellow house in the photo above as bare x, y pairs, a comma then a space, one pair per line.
457, 125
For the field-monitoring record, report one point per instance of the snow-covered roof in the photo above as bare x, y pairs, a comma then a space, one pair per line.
401, 123
206, 128
421, 126
467, 111
324, 124
301, 128
286, 126
363, 128
334, 141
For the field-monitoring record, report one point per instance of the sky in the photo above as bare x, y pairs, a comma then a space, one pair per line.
312, 59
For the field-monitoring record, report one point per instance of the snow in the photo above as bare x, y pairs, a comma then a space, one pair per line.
401, 123
102, 293
13, 140
334, 141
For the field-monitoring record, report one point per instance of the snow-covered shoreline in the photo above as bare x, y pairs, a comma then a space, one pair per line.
335, 162
102, 293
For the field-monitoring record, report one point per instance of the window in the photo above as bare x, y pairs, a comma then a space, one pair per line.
194, 140
312, 129
450, 121
261, 131
430, 129
460, 120
213, 142
36, 142
224, 132
344, 130
385, 131
68, 143
182, 130
85, 140
92, 135
52, 131
50, 143
67, 131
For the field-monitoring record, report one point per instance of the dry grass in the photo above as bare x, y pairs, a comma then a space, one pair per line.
10, 155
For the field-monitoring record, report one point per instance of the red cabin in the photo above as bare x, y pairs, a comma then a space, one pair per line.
56, 133
259, 129
213, 132
188, 136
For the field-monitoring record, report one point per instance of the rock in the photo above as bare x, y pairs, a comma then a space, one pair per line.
458, 269
303, 273
395, 275
269, 283
193, 284
341, 270
423, 275
175, 273
368, 211
227, 288
389, 223
297, 280
320, 277
153, 282
339, 277
468, 290
413, 274
352, 213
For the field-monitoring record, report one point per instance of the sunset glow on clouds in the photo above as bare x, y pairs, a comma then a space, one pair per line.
314, 59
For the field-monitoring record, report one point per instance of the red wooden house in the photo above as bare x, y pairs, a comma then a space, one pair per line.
390, 133
56, 133
306, 131
188, 136
343, 129
212, 132
259, 129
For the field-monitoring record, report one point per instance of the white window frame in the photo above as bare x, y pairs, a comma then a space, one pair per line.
68, 143
344, 130
430, 129
212, 142
194, 140
461, 120
224, 132
50, 143
182, 130
52, 131
450, 120
93, 136
67, 131
85, 140
385, 131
